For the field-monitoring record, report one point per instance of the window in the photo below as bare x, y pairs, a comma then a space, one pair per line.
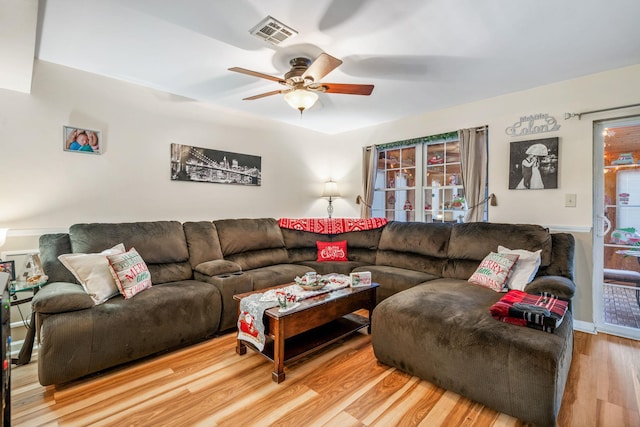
420, 180
443, 192
395, 184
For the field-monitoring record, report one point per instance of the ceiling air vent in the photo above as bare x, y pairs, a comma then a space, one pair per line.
272, 31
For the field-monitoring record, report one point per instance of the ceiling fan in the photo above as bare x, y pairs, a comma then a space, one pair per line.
303, 81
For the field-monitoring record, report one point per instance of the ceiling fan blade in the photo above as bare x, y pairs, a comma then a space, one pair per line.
257, 74
349, 89
323, 65
262, 95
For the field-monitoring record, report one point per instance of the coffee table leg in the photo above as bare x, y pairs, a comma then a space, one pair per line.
278, 353
240, 347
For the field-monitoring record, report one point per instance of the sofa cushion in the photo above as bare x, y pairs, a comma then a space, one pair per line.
248, 234
158, 242
130, 272
363, 245
427, 239
332, 251
474, 240
217, 267
275, 275
327, 267
59, 297
51, 246
412, 261
394, 279
92, 272
562, 257
297, 239
162, 244
202, 241
252, 243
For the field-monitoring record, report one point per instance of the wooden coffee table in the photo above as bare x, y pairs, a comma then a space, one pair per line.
316, 323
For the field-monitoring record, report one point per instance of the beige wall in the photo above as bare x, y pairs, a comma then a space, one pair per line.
48, 189
130, 181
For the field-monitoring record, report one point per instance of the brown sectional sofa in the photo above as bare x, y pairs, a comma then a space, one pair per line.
429, 322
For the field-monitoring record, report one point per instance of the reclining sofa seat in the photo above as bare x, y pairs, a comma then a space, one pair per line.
237, 256
79, 338
442, 331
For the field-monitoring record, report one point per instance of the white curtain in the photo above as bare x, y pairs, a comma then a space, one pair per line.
369, 159
473, 157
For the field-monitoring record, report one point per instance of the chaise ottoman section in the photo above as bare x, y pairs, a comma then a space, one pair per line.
442, 331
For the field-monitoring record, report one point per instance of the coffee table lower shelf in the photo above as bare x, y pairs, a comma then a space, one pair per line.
315, 339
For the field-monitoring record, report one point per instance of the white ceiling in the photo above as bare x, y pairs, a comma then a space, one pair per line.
421, 55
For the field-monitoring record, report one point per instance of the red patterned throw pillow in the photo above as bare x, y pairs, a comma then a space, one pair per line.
332, 251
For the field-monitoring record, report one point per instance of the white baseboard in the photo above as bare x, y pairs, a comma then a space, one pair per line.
17, 324
582, 326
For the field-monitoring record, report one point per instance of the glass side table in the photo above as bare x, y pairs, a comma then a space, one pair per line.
16, 288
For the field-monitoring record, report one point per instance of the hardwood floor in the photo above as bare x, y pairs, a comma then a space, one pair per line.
209, 384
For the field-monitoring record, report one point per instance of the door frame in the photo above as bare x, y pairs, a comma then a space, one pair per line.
599, 226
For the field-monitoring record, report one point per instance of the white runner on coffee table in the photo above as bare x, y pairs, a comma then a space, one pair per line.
252, 307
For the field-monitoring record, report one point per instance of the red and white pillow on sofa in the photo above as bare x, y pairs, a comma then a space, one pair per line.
332, 251
493, 271
129, 272
497, 272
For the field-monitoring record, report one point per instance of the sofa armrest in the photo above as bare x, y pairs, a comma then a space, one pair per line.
217, 267
559, 286
60, 297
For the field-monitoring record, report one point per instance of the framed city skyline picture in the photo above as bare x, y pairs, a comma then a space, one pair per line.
197, 164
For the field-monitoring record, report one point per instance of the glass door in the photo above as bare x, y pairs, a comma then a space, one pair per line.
617, 227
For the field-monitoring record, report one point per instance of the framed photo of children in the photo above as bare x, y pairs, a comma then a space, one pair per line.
533, 164
8, 267
80, 140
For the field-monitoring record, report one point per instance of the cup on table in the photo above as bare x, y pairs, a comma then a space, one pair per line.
311, 277
282, 299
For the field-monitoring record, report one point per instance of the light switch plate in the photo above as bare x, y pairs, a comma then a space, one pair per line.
570, 200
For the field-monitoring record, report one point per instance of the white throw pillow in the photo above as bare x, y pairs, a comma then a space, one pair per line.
92, 271
525, 269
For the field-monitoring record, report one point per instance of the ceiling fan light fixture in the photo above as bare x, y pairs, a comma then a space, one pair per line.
301, 99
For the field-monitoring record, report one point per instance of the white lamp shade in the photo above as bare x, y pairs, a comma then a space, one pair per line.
331, 189
301, 99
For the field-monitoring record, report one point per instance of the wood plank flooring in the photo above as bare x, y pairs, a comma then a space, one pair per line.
208, 384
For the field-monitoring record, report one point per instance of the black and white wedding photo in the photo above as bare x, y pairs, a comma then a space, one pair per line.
534, 164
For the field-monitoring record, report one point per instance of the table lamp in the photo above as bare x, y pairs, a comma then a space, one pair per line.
330, 191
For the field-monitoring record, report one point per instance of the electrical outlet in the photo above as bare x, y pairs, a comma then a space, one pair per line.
570, 200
